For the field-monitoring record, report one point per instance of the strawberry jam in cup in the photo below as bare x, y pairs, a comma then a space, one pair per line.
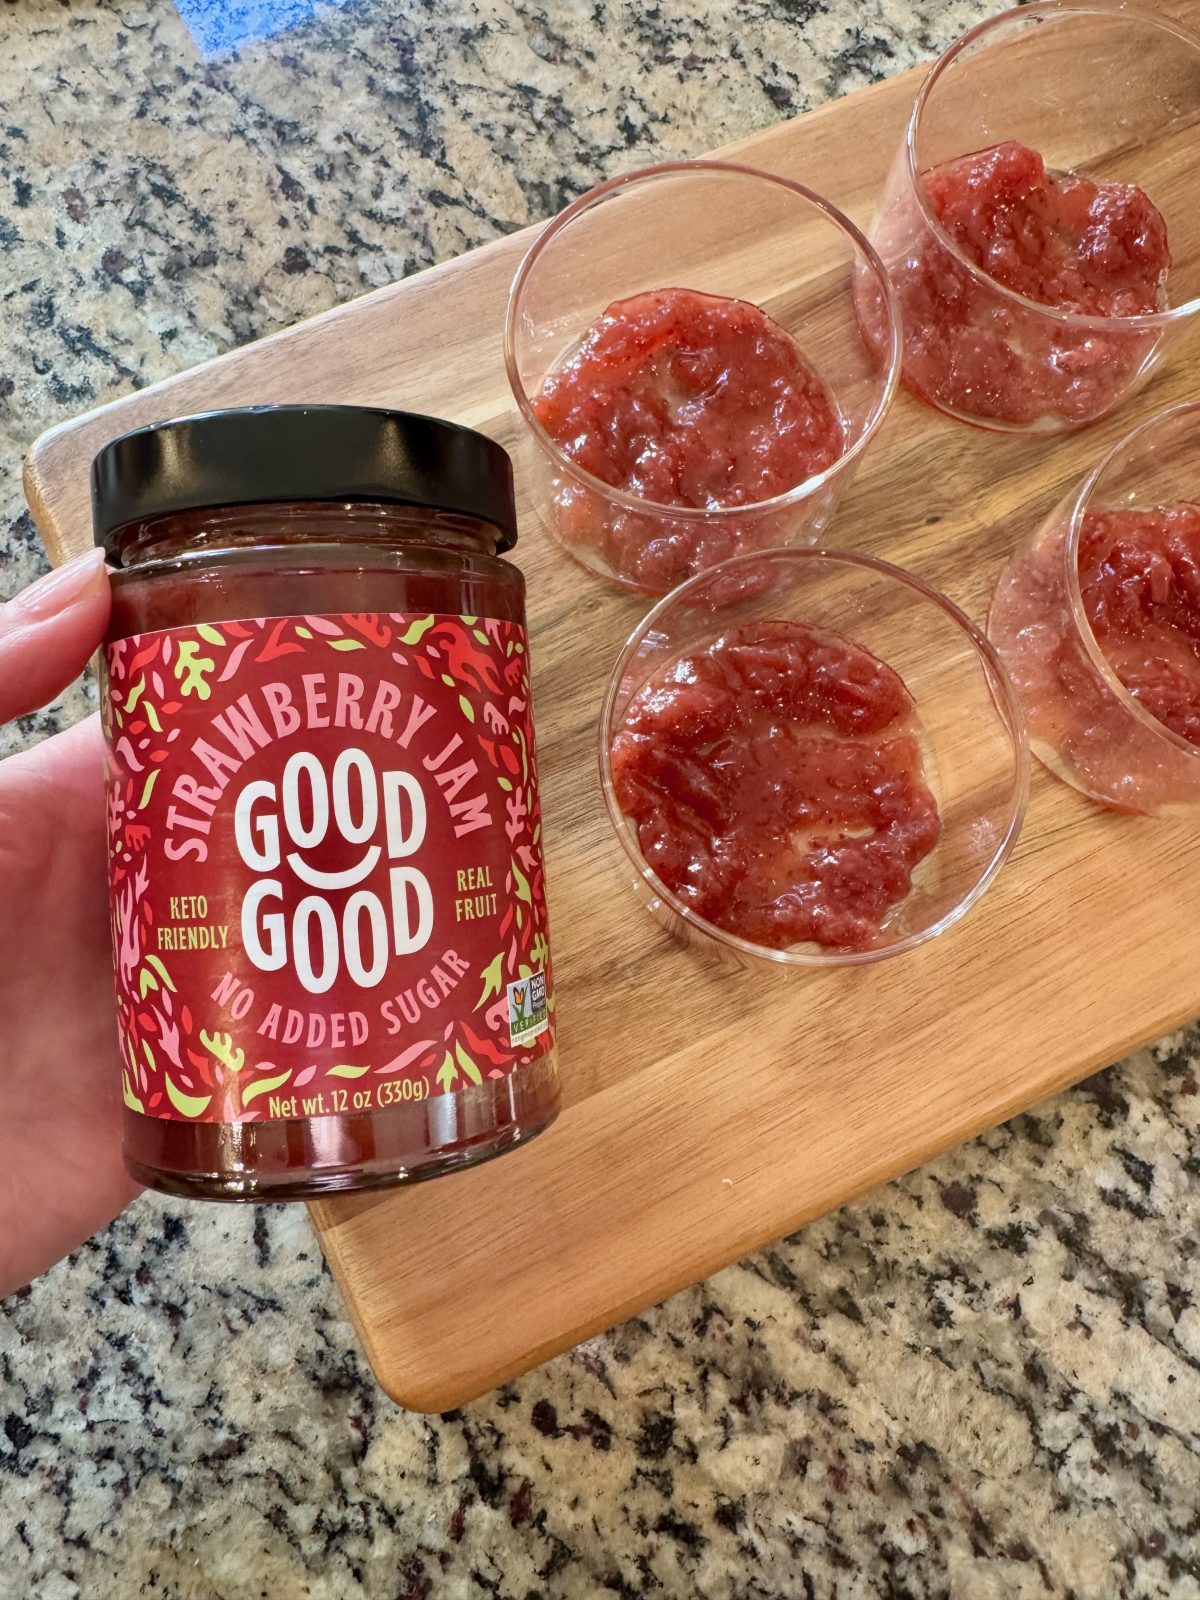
811, 757
1039, 220
1097, 618
683, 347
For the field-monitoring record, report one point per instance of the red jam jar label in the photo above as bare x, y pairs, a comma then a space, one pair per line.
325, 860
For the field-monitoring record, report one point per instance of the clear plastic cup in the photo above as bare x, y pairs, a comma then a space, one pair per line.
1084, 724
1100, 90
975, 749
721, 230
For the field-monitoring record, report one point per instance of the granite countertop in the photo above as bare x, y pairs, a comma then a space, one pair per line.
981, 1381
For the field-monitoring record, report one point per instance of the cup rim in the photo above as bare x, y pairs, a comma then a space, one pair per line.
638, 503
1080, 505
1008, 709
1114, 9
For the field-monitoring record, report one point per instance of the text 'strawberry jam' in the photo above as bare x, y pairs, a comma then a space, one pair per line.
328, 896
1098, 250
689, 400
776, 781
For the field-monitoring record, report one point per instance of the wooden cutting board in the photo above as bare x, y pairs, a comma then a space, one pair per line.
709, 1111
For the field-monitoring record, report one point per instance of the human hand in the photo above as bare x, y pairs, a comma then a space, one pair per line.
61, 1174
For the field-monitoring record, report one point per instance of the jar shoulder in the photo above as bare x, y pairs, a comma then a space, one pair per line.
307, 580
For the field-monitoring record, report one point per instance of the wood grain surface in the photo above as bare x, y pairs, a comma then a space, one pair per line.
709, 1109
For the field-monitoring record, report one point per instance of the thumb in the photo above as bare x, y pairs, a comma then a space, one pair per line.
48, 631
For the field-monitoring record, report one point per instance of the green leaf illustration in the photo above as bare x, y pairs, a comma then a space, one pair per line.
148, 786
416, 631
305, 633
154, 962
468, 1066
447, 1072
346, 1071
492, 979
468, 710
522, 883
135, 694
191, 669
206, 631
346, 644
222, 1049
188, 1105
146, 980
264, 1086
127, 1094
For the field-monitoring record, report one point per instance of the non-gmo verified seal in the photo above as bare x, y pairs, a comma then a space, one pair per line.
528, 1016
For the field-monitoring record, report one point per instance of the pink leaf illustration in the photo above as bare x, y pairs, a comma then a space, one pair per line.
406, 1058
129, 951
231, 665
515, 807
125, 751
168, 1038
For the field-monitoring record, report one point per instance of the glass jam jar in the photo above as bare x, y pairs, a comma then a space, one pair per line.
327, 889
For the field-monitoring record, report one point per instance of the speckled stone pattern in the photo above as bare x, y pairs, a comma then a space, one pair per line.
980, 1382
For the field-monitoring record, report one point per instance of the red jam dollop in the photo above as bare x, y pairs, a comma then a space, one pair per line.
776, 783
1139, 576
1097, 249
1139, 585
690, 400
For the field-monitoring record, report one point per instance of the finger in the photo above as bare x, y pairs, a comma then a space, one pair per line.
48, 631
59, 778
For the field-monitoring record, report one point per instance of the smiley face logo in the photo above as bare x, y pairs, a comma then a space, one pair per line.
329, 933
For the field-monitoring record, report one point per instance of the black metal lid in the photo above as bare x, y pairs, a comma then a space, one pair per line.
260, 455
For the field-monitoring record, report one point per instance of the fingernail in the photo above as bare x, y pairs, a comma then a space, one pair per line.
61, 588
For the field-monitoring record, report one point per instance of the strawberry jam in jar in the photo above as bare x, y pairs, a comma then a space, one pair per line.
328, 898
